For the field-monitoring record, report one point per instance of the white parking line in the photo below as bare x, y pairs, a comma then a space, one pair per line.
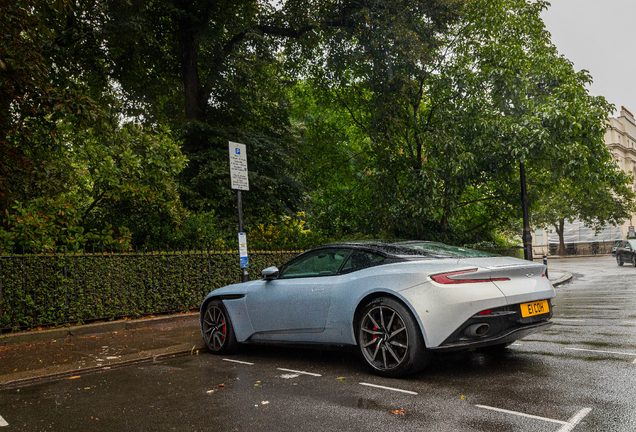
3, 422
388, 388
522, 414
576, 419
604, 352
238, 361
567, 426
300, 372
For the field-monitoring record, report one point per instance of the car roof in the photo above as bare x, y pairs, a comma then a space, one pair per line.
413, 249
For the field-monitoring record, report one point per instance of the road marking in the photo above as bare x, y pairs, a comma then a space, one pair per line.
3, 422
388, 388
238, 361
604, 352
634, 361
567, 425
576, 419
522, 414
300, 372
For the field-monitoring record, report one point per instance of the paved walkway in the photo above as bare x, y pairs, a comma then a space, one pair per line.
31, 356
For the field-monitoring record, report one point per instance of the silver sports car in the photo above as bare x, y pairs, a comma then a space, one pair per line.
397, 302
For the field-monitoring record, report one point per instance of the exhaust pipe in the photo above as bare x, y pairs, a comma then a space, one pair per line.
477, 330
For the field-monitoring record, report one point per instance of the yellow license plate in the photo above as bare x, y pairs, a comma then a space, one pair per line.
534, 308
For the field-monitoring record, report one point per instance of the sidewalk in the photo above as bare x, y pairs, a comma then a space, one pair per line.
31, 356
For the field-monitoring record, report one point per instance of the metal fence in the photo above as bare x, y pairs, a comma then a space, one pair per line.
593, 248
61, 287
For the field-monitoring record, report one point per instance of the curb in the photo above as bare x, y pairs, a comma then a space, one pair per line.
87, 329
161, 354
567, 277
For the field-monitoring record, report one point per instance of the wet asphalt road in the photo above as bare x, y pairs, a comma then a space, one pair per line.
578, 376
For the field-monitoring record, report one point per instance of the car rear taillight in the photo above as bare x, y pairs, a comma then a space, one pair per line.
444, 278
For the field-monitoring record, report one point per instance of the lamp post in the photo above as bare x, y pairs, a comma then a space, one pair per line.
527, 235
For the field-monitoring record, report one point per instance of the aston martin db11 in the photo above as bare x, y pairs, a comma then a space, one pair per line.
397, 302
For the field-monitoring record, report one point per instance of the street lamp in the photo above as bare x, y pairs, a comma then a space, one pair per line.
527, 235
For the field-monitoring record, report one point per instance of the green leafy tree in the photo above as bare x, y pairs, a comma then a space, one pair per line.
222, 71
119, 180
77, 171
446, 125
365, 89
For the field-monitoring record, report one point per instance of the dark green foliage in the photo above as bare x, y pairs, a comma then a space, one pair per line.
52, 289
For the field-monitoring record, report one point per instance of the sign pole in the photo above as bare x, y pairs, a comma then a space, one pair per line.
239, 203
245, 277
240, 181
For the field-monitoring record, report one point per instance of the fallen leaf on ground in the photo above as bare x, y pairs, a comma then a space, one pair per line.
74, 377
399, 412
221, 385
341, 378
264, 402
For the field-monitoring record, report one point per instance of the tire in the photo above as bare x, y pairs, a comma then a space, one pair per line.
619, 260
400, 349
217, 329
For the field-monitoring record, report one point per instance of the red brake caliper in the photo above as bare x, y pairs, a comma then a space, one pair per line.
223, 322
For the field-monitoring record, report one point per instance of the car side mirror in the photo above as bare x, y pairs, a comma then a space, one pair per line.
270, 273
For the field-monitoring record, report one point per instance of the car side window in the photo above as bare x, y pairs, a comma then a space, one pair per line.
360, 260
323, 262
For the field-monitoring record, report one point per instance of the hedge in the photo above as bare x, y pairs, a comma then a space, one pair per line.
60, 288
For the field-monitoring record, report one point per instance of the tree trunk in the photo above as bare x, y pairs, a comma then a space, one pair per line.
190, 70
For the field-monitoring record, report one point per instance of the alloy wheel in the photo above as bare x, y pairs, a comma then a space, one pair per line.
214, 328
384, 338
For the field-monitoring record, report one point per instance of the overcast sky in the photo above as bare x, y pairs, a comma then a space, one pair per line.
600, 36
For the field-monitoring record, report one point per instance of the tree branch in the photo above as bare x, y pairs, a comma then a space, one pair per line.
479, 200
93, 204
